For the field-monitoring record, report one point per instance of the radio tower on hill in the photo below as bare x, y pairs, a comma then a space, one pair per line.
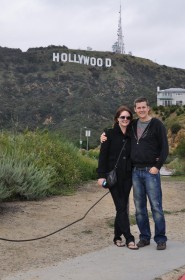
118, 46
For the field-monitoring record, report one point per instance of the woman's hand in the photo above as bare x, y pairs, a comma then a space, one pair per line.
100, 181
103, 137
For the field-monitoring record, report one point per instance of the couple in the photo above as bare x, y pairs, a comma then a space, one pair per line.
145, 151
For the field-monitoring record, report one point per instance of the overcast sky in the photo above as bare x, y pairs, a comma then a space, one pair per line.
153, 29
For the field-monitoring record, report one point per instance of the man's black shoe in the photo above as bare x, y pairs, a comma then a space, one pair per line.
143, 243
161, 245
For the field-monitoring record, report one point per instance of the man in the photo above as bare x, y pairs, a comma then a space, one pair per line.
149, 150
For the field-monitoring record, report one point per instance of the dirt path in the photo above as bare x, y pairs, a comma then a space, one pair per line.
25, 220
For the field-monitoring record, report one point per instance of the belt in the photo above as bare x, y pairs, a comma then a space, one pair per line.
146, 168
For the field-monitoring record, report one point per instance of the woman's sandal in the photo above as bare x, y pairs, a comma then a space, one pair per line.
132, 246
119, 243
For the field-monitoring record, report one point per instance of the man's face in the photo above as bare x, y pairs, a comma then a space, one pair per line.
142, 110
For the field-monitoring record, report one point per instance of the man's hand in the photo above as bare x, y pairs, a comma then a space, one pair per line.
154, 170
103, 137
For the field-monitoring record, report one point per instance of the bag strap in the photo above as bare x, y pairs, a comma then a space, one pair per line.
120, 153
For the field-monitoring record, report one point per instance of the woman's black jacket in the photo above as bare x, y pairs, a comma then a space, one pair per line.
109, 153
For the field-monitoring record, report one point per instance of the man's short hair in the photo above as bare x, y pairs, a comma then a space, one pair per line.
141, 99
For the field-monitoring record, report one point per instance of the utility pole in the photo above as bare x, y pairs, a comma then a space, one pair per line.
118, 46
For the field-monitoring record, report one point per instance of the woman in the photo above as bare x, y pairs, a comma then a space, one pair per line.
109, 152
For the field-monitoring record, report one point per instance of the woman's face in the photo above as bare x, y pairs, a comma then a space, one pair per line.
124, 119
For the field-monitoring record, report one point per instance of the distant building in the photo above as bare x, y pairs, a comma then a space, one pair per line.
171, 96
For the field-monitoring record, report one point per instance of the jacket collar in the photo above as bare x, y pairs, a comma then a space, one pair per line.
117, 129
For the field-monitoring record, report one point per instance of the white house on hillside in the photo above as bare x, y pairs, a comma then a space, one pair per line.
171, 96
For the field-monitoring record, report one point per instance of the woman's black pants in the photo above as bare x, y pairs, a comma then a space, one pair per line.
120, 195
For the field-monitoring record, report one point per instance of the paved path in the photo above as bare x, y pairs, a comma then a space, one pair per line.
113, 263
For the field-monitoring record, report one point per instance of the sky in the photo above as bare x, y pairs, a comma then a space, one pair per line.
152, 29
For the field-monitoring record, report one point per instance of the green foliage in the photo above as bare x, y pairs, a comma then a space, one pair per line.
171, 118
22, 179
180, 150
35, 164
175, 128
172, 108
177, 162
180, 111
165, 112
94, 154
178, 165
161, 108
170, 158
155, 109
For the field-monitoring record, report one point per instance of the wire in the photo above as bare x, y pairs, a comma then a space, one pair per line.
42, 237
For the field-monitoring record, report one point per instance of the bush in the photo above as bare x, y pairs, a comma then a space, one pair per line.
34, 159
178, 166
175, 128
179, 112
161, 108
172, 108
180, 150
94, 154
23, 179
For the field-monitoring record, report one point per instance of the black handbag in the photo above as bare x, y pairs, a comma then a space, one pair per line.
111, 177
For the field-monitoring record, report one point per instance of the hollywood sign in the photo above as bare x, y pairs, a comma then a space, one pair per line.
82, 59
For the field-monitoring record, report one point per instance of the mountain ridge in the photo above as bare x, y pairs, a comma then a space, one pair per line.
37, 92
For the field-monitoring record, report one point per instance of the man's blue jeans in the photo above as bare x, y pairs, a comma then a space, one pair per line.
148, 185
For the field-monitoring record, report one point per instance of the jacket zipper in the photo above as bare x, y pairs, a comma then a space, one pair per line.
144, 133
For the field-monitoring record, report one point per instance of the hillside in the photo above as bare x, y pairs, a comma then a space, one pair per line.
67, 96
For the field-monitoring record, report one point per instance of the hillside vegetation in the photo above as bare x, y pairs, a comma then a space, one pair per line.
173, 118
39, 93
38, 164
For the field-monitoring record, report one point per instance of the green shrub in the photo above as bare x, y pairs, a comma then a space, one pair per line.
161, 108
87, 168
170, 158
175, 128
172, 108
35, 157
94, 154
155, 108
179, 112
180, 150
178, 166
23, 179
